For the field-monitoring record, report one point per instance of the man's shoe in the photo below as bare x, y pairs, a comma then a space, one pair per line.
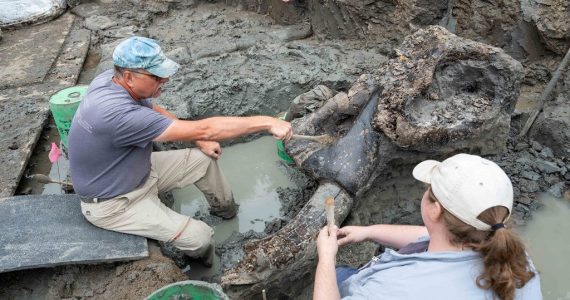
225, 213
208, 258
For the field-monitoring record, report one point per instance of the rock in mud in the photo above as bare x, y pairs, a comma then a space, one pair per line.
99, 22
87, 9
557, 190
485, 21
552, 21
552, 127
232, 248
308, 102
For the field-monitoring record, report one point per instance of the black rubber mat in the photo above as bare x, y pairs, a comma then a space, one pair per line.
49, 230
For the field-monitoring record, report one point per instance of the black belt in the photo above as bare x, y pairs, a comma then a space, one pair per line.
93, 200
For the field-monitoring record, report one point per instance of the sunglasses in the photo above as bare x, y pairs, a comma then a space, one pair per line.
148, 74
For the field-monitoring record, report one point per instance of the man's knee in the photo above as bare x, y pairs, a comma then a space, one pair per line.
205, 240
203, 237
198, 157
196, 239
204, 247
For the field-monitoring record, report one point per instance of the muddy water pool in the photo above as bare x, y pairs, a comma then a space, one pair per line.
547, 237
254, 171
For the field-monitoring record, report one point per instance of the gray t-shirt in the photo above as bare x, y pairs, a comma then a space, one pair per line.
110, 140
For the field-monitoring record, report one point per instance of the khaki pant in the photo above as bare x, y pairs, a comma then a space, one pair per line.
141, 212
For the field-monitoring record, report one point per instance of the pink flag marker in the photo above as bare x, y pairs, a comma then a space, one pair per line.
54, 153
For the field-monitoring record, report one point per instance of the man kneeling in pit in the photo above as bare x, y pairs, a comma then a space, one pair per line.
114, 170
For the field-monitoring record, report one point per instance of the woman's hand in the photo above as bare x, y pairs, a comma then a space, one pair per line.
352, 234
327, 245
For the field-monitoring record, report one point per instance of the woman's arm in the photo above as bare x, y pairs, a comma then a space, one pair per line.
325, 287
393, 236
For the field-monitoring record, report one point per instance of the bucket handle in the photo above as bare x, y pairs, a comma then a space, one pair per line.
74, 95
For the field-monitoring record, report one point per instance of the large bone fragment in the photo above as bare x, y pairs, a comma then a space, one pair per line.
287, 256
444, 93
348, 117
353, 156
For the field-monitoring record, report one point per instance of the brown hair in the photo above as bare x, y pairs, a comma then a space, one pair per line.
505, 262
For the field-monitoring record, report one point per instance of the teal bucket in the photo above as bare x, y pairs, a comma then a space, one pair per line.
189, 289
63, 106
282, 154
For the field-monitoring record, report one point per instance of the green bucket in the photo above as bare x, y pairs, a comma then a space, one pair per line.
189, 289
281, 148
63, 105
282, 154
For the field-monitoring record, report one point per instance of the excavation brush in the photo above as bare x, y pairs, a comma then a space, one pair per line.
323, 139
329, 208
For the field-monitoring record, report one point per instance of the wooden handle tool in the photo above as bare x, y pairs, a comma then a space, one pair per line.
329, 208
323, 139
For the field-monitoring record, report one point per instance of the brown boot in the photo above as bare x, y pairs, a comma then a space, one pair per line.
207, 259
225, 212
204, 257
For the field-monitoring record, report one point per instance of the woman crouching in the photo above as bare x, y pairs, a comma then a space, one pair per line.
464, 250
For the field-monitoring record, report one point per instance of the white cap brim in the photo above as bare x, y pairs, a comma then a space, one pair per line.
423, 170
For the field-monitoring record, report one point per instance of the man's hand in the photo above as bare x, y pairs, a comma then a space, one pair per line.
210, 148
352, 234
327, 245
281, 130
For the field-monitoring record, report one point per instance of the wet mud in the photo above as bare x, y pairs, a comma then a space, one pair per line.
254, 57
134, 280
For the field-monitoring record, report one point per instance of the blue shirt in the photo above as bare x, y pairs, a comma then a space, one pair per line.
425, 275
110, 140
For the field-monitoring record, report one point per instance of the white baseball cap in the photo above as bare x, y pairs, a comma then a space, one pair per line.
466, 185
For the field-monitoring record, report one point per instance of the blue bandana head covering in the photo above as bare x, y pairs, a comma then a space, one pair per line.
143, 53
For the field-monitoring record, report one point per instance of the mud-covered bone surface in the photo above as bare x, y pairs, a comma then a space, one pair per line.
442, 89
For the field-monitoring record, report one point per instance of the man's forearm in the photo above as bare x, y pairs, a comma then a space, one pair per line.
396, 236
325, 287
215, 128
168, 114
